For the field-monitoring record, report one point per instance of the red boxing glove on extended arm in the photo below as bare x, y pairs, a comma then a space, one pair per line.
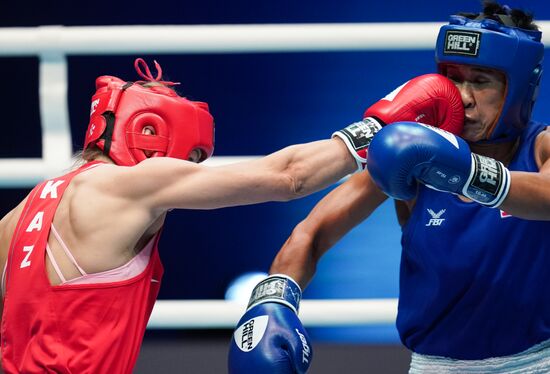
431, 99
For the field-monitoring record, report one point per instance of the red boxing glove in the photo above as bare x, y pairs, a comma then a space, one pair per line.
431, 99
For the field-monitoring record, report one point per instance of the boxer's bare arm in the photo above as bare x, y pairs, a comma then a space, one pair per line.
332, 218
162, 183
529, 196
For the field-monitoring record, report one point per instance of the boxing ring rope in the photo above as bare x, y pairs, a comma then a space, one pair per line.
203, 314
52, 44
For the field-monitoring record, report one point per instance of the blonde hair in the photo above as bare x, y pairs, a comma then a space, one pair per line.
84, 156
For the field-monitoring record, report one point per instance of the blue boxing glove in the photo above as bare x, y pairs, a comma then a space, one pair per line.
406, 153
270, 337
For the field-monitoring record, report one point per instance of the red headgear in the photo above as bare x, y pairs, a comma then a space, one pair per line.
121, 110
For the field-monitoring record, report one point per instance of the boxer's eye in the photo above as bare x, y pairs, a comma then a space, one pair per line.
195, 155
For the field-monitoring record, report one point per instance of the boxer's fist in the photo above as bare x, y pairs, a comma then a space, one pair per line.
405, 153
270, 337
431, 99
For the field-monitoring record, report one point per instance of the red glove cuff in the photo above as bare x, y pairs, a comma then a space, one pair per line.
357, 138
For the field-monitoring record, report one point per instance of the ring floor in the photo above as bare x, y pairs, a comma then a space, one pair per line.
205, 352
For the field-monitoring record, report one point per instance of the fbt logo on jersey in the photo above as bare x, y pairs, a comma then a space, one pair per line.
48, 192
436, 219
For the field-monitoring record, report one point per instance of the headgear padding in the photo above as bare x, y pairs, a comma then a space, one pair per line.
518, 53
120, 112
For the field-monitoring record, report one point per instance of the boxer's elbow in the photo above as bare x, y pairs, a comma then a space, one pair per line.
294, 183
298, 176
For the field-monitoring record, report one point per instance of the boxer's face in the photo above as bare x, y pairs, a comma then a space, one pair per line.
482, 91
148, 130
194, 155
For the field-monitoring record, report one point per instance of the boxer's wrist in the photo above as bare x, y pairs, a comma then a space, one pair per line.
489, 181
277, 288
357, 138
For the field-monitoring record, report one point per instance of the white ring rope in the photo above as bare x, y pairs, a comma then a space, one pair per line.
115, 40
53, 43
209, 314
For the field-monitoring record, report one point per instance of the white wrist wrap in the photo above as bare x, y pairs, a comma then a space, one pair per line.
357, 138
489, 181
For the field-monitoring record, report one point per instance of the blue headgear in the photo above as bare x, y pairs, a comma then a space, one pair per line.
516, 52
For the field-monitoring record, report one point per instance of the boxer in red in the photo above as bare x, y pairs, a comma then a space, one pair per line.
80, 258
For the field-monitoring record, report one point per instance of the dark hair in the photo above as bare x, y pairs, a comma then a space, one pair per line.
503, 14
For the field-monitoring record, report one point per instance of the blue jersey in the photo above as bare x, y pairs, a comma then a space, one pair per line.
475, 281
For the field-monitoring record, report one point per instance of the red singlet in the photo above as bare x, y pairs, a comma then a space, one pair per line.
86, 328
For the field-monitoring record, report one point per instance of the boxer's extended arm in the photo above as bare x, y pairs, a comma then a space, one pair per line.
141, 194
295, 171
529, 195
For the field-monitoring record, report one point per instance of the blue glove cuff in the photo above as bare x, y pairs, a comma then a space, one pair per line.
489, 181
277, 288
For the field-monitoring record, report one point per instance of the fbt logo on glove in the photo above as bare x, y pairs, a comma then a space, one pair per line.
250, 333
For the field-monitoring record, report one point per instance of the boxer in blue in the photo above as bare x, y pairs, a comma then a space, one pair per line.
475, 216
